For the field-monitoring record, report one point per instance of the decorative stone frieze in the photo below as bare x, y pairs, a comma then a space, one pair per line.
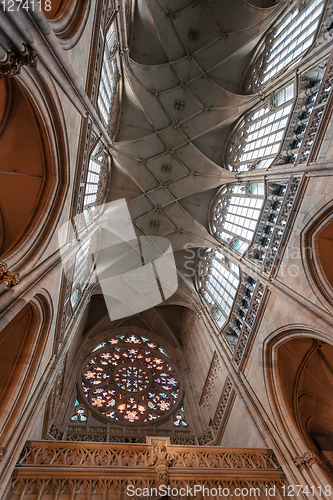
223, 404
210, 380
60, 455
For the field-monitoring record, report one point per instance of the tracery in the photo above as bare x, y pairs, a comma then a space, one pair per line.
257, 139
285, 45
218, 280
293, 36
130, 380
236, 212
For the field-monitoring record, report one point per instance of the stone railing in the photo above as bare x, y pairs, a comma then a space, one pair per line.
95, 471
248, 324
63, 455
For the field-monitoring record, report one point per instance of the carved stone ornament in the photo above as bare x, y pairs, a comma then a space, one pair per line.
306, 460
10, 278
15, 60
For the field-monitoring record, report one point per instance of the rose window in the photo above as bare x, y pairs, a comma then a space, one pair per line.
130, 379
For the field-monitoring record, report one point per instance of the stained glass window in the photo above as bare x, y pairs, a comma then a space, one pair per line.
130, 380
218, 280
79, 414
236, 212
179, 418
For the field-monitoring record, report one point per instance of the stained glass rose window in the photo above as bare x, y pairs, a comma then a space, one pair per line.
130, 380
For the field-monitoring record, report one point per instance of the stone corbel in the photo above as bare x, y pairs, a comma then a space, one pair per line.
161, 460
10, 278
15, 60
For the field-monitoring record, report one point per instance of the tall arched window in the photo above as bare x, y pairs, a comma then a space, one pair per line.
293, 36
218, 280
258, 137
96, 180
82, 269
109, 75
236, 212
285, 45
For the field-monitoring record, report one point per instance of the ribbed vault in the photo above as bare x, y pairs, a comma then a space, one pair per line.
182, 71
183, 63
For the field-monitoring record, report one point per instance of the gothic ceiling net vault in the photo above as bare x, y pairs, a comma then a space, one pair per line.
182, 74
182, 64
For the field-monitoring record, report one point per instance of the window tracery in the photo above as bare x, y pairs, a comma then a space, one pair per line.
80, 414
218, 280
96, 180
236, 212
179, 418
130, 380
285, 45
257, 139
293, 36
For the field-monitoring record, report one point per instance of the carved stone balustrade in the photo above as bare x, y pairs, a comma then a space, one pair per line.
57, 469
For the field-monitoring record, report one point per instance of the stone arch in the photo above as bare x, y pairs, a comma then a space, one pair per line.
34, 161
23, 361
317, 248
298, 371
68, 20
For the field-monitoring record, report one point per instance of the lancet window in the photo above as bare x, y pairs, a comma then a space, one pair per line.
83, 265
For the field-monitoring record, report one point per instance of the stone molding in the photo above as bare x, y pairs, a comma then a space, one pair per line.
223, 404
60, 469
210, 380
60, 488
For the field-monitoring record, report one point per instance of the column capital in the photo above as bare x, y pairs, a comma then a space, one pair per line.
15, 60
8, 277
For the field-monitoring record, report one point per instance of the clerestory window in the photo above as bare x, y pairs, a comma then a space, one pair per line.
218, 280
292, 38
96, 168
109, 75
236, 212
258, 137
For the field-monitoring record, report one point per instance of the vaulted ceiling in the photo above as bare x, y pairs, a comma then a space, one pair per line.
183, 62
